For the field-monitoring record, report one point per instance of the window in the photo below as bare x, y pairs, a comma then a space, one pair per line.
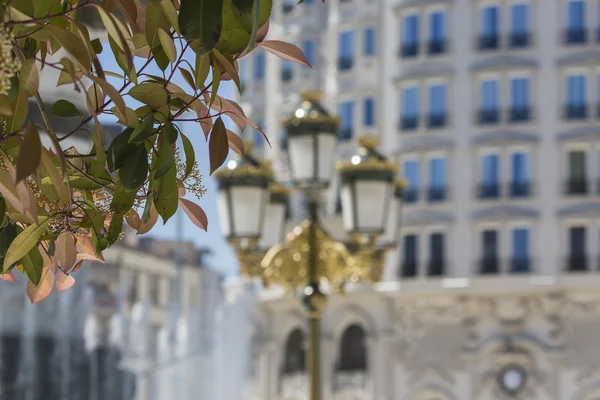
489, 28
369, 112
490, 177
437, 105
243, 73
259, 66
410, 107
577, 249
410, 36
154, 289
295, 353
436, 254
490, 102
576, 96
353, 350
411, 254
520, 250
437, 179
259, 140
520, 178
489, 242
346, 50
576, 26
346, 113
519, 25
308, 47
287, 70
577, 179
437, 32
520, 101
288, 6
413, 176
369, 42
133, 288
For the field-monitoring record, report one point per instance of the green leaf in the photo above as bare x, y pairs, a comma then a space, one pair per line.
218, 145
94, 217
65, 109
143, 131
170, 132
7, 235
29, 79
202, 21
19, 112
82, 183
228, 67
187, 75
215, 85
72, 44
170, 13
122, 199
202, 69
134, 172
190, 155
24, 242
115, 228
97, 46
165, 159
150, 93
30, 154
33, 264
148, 208
166, 194
238, 26
168, 45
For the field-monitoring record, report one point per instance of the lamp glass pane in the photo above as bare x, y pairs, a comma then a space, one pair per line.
327, 147
391, 222
347, 207
273, 228
301, 157
372, 205
248, 204
224, 212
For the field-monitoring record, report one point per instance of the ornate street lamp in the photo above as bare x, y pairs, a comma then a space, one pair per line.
309, 259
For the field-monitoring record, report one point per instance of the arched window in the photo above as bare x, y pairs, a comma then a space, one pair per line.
295, 353
353, 350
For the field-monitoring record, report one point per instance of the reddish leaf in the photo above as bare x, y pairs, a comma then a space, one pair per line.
64, 281
8, 277
195, 213
86, 250
133, 220
65, 248
218, 145
235, 142
287, 51
77, 266
145, 228
43, 289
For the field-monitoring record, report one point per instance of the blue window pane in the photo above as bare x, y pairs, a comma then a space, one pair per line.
259, 140
489, 95
411, 30
259, 66
577, 90
520, 167
287, 65
576, 14
490, 21
410, 102
346, 45
520, 243
520, 92
437, 25
437, 172
346, 113
490, 171
519, 22
244, 70
309, 50
411, 172
437, 99
369, 112
369, 42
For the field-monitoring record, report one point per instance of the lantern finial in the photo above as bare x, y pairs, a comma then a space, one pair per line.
369, 142
248, 147
313, 96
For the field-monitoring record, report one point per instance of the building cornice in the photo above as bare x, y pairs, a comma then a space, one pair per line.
505, 212
425, 70
503, 63
414, 218
420, 3
586, 133
585, 58
504, 138
584, 209
425, 143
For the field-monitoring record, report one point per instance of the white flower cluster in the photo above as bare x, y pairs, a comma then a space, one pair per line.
9, 65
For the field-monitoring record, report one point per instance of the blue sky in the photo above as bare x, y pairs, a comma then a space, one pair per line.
223, 258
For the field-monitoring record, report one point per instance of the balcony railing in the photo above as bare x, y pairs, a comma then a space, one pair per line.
519, 114
437, 194
520, 265
411, 196
409, 50
287, 75
345, 63
487, 191
519, 40
488, 116
489, 265
409, 269
575, 186
436, 47
576, 36
576, 111
519, 189
488, 42
409, 122
436, 121
436, 267
577, 263
345, 134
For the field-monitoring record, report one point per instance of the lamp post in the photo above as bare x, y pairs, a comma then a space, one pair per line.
308, 259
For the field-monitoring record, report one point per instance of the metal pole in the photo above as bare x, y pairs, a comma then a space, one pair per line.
314, 313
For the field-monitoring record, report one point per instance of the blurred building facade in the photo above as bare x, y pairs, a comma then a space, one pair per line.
491, 109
